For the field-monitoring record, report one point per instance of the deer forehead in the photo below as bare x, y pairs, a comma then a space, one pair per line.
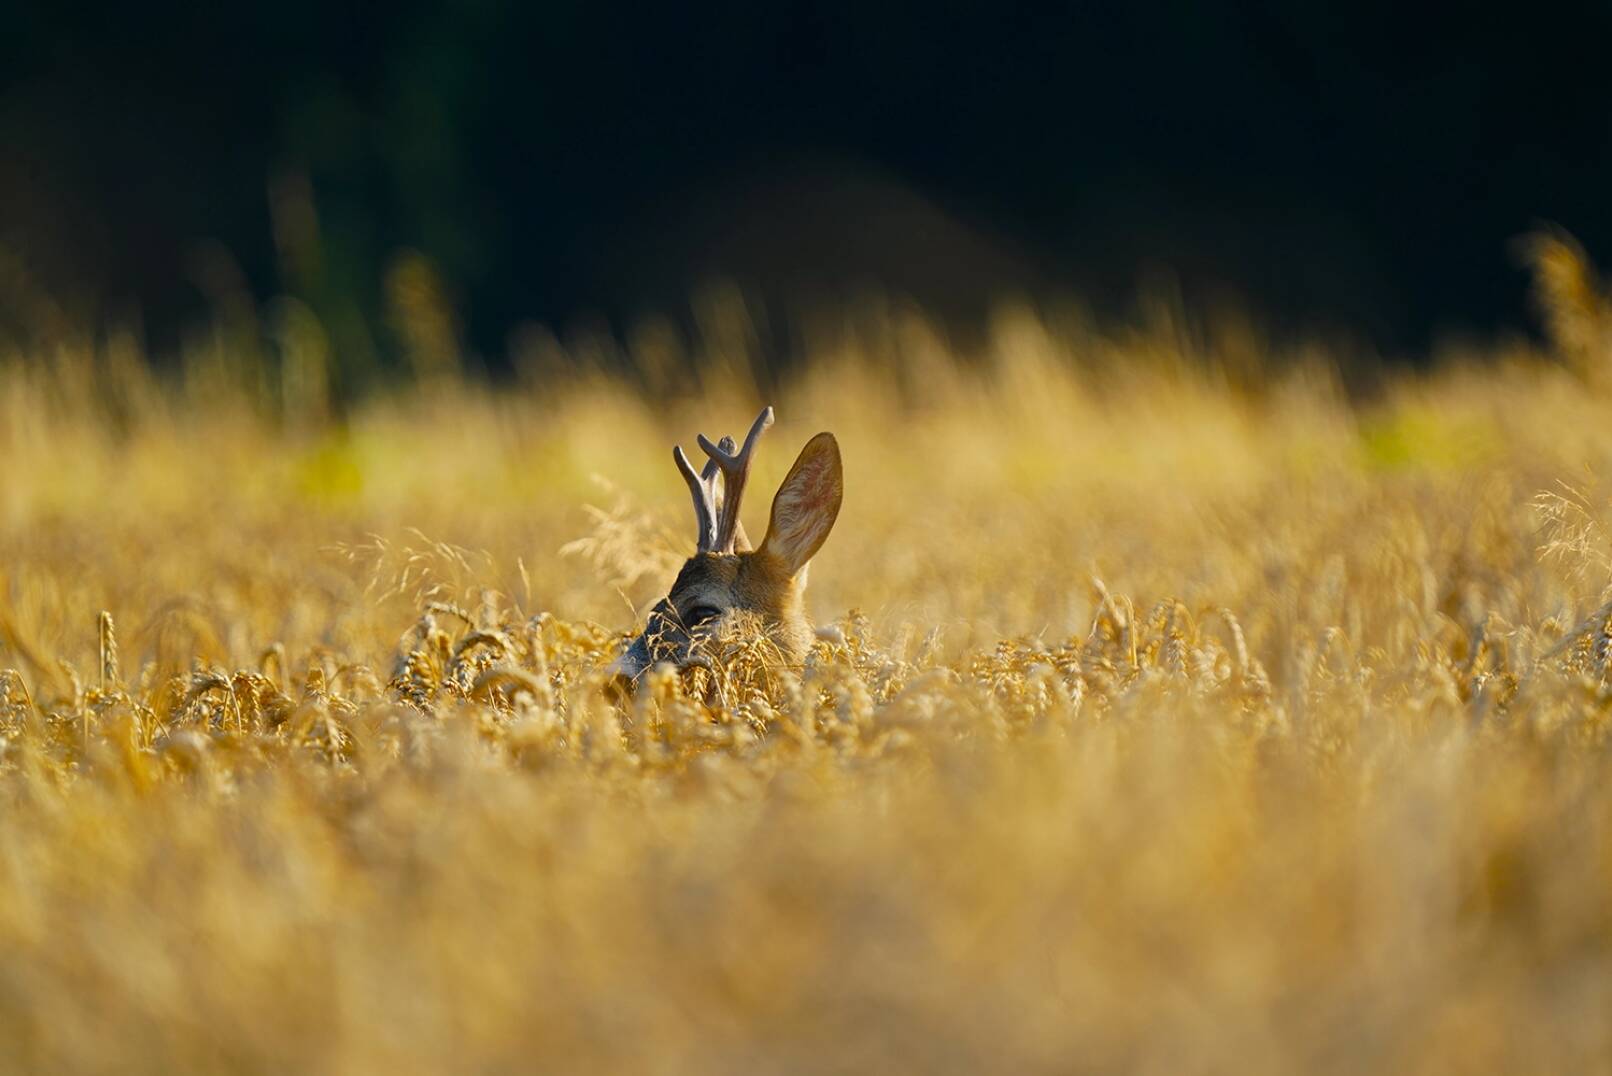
746, 580
707, 578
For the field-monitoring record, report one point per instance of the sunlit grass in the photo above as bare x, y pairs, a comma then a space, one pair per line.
1177, 716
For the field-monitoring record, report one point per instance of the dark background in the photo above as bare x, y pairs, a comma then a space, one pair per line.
1362, 165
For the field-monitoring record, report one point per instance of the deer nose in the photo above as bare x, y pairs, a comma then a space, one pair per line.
618, 687
621, 675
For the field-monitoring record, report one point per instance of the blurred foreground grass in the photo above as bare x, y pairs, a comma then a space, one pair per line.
1184, 715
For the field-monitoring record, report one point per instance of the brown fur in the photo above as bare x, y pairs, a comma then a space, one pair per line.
751, 581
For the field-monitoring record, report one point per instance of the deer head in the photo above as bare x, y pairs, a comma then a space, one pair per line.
725, 576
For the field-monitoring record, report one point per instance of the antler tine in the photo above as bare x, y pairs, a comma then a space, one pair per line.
727, 445
700, 486
735, 469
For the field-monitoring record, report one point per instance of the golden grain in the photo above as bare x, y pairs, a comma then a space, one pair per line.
1161, 719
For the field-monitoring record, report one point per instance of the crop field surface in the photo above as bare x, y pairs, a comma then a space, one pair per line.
1176, 708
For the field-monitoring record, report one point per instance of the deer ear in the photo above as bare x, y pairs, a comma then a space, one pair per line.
807, 503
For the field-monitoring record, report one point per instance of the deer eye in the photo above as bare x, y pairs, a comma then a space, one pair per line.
701, 614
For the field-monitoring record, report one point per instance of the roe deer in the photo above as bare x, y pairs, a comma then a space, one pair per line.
725, 576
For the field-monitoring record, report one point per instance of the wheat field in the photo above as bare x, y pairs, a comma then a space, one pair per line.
1180, 709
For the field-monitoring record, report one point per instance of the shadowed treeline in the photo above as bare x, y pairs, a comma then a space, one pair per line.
573, 164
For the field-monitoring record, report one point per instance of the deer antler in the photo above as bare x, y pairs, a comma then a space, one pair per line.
735, 469
718, 520
703, 487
